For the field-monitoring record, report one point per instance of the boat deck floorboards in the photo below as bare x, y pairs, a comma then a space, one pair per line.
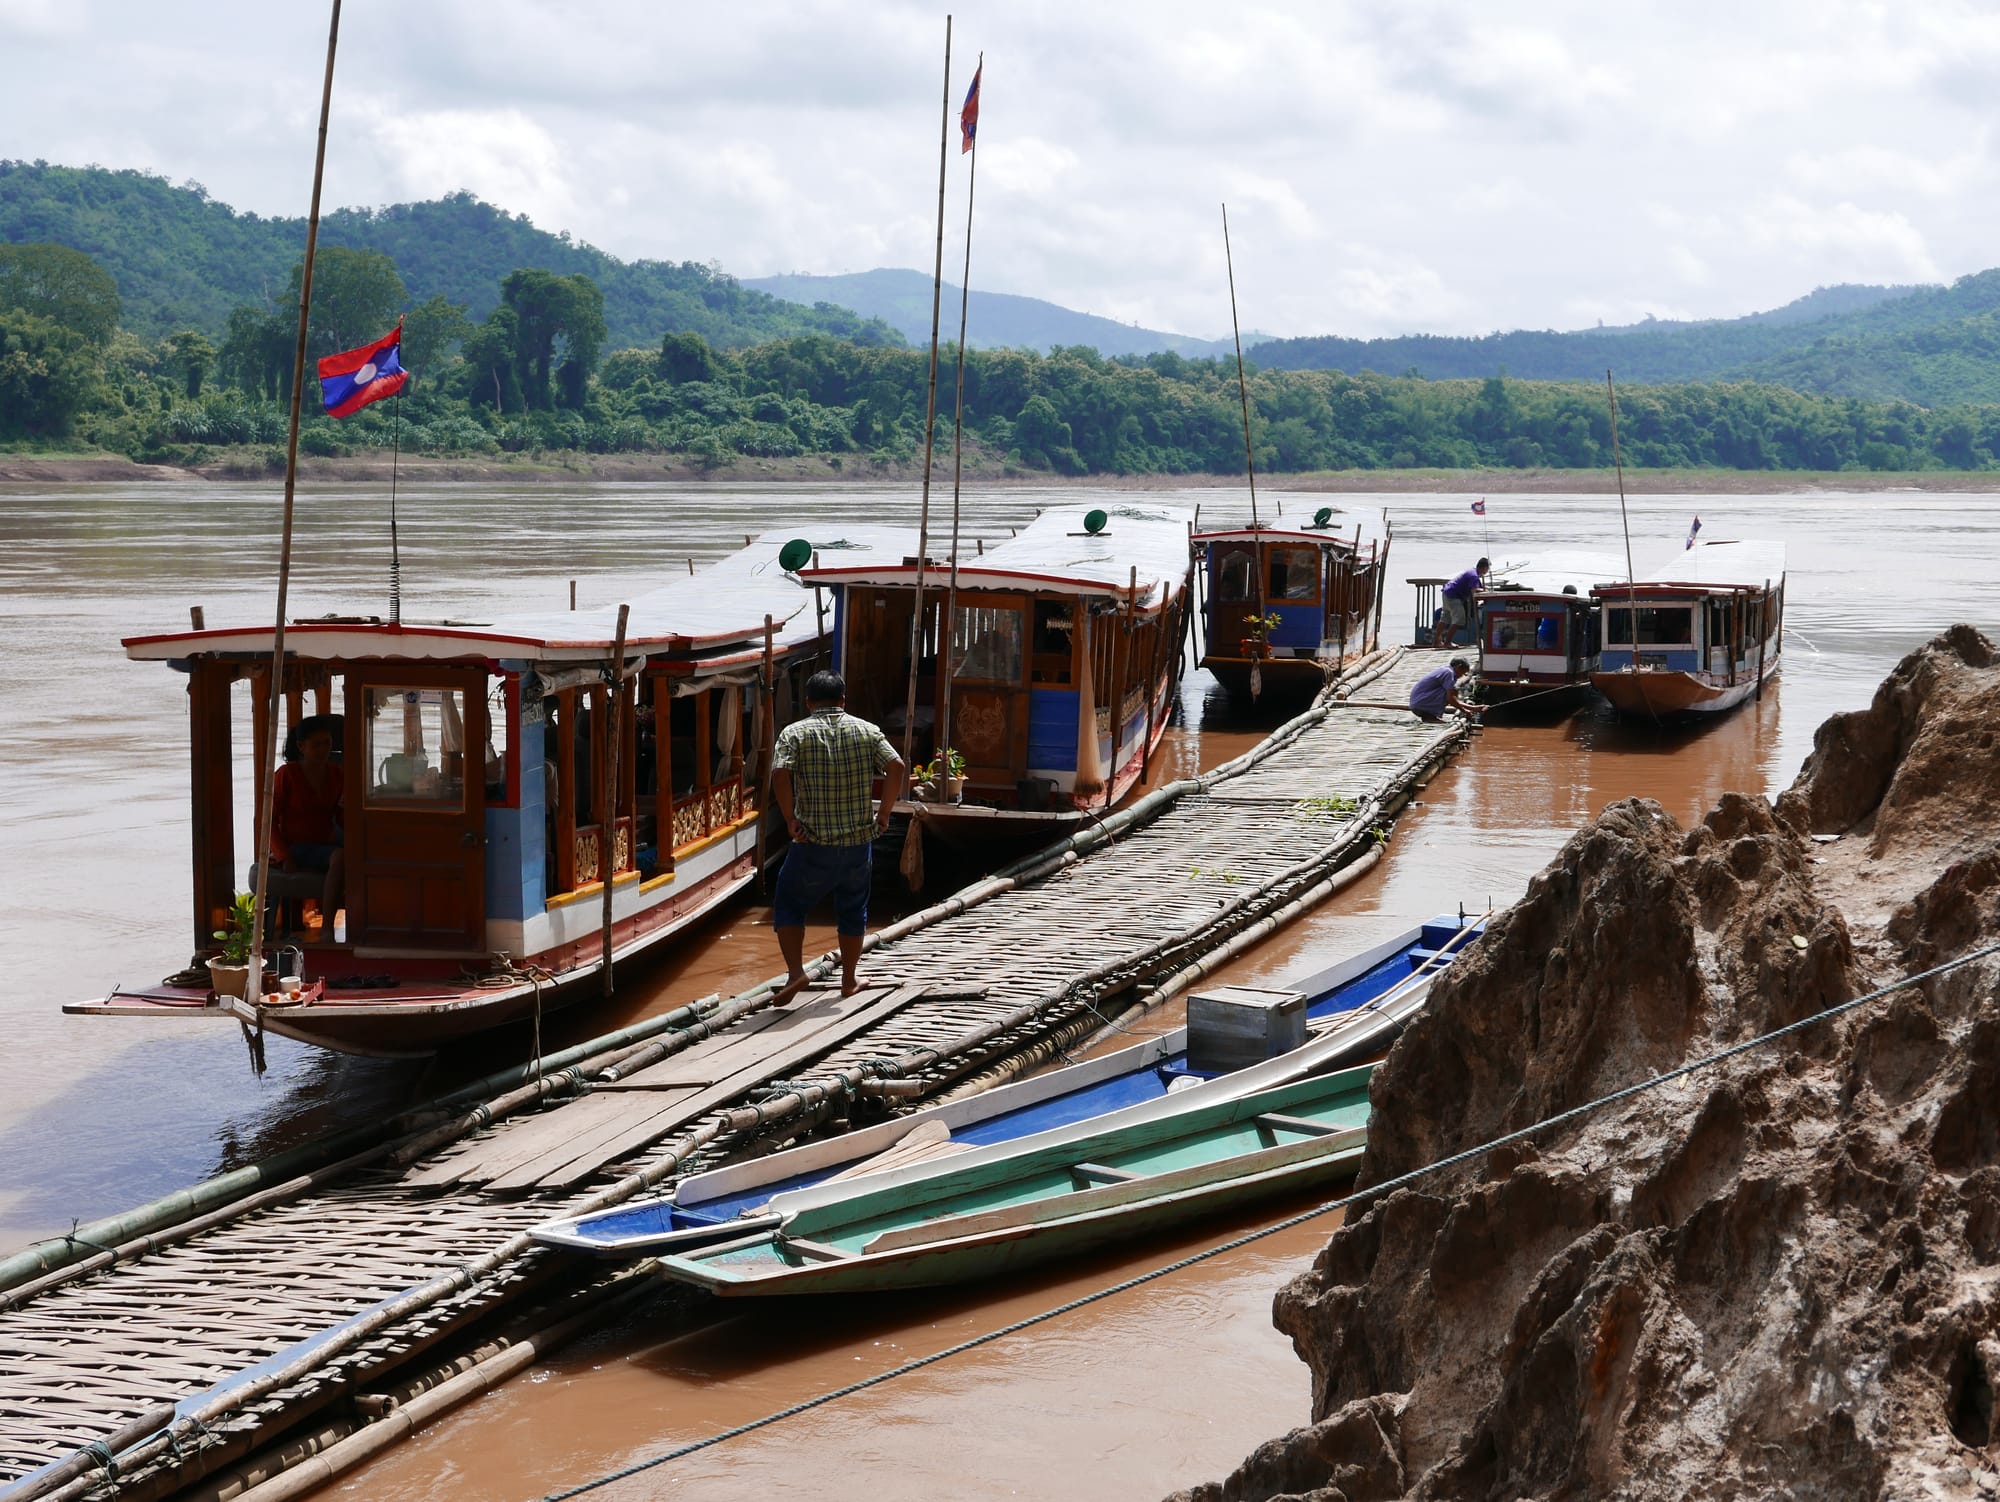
245, 1322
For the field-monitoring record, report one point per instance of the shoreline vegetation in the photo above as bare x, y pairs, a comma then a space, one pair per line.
255, 466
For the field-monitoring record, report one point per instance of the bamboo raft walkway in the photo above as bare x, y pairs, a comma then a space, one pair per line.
202, 1346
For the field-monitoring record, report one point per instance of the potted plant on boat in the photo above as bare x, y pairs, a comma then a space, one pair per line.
941, 779
1257, 629
229, 971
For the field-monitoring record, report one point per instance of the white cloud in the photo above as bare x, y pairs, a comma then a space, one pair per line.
1391, 165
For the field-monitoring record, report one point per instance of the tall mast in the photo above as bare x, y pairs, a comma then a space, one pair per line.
930, 424
958, 436
254, 990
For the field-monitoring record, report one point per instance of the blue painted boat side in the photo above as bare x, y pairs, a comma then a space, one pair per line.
1298, 625
1052, 722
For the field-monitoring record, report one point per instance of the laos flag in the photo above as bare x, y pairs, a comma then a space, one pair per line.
348, 382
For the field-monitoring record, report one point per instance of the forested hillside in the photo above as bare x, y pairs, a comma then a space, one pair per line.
1919, 344
994, 320
184, 261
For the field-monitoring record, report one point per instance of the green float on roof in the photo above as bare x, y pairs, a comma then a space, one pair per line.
1093, 522
795, 555
1322, 516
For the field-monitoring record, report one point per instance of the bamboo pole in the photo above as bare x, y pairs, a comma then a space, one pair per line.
930, 427
958, 461
1631, 578
1242, 390
253, 988
764, 750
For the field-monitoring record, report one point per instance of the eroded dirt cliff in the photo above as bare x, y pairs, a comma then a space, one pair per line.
1778, 1276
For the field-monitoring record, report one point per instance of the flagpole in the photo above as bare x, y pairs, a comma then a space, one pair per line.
395, 553
254, 989
1242, 390
958, 427
930, 425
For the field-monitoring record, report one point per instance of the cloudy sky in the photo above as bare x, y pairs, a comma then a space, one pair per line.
1402, 166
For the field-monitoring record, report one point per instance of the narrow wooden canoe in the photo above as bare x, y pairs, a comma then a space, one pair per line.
1355, 1009
1134, 1173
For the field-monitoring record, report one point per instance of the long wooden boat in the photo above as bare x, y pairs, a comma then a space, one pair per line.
994, 1210
1284, 605
1354, 1009
1059, 663
477, 825
1538, 627
1710, 631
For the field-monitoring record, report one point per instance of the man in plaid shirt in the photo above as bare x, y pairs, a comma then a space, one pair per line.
823, 773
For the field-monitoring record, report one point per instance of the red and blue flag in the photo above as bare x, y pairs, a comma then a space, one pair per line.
351, 380
968, 118
1693, 532
1479, 506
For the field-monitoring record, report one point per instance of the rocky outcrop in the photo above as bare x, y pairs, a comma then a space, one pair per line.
1777, 1276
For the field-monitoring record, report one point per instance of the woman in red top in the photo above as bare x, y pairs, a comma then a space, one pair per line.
306, 832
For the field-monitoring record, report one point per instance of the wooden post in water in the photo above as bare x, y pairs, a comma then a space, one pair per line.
195, 618
1381, 577
607, 835
572, 594
267, 742
930, 430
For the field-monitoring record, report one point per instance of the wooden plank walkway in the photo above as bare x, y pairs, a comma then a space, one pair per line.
244, 1321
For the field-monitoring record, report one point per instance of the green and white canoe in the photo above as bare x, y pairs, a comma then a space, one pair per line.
1133, 1173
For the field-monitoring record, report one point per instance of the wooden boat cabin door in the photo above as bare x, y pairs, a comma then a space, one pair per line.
988, 663
416, 838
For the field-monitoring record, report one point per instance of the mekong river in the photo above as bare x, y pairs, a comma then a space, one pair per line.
1129, 1398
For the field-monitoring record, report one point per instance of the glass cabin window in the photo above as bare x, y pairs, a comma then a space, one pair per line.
1517, 631
1659, 626
1055, 630
416, 747
1235, 575
1294, 573
986, 644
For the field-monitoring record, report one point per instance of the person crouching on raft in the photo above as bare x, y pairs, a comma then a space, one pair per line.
1436, 693
823, 769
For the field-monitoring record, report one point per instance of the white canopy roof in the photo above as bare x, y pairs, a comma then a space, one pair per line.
1709, 567
1547, 573
1231, 523
707, 612
1055, 555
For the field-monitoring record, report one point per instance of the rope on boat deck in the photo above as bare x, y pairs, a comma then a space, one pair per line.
1374, 1191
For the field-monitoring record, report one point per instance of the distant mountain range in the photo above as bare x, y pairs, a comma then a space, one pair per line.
183, 260
1928, 344
994, 320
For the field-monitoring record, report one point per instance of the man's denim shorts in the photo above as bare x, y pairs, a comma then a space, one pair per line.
813, 872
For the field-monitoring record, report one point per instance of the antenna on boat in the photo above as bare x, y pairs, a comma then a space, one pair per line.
254, 989
1631, 576
1242, 385
930, 425
968, 121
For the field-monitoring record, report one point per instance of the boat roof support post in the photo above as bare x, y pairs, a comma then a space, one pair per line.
614, 736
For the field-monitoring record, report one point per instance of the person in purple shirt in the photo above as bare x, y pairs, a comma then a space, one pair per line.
1437, 692
1458, 603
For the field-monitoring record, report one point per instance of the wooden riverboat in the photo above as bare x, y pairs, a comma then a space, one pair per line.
1057, 671
1538, 627
1139, 1172
1710, 629
1287, 605
478, 825
1354, 1009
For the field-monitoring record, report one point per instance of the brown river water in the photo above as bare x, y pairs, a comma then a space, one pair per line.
1130, 1397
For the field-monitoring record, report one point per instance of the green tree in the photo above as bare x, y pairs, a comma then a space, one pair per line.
256, 354
686, 357
431, 330
190, 355
357, 296
48, 372
62, 285
560, 328
491, 363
